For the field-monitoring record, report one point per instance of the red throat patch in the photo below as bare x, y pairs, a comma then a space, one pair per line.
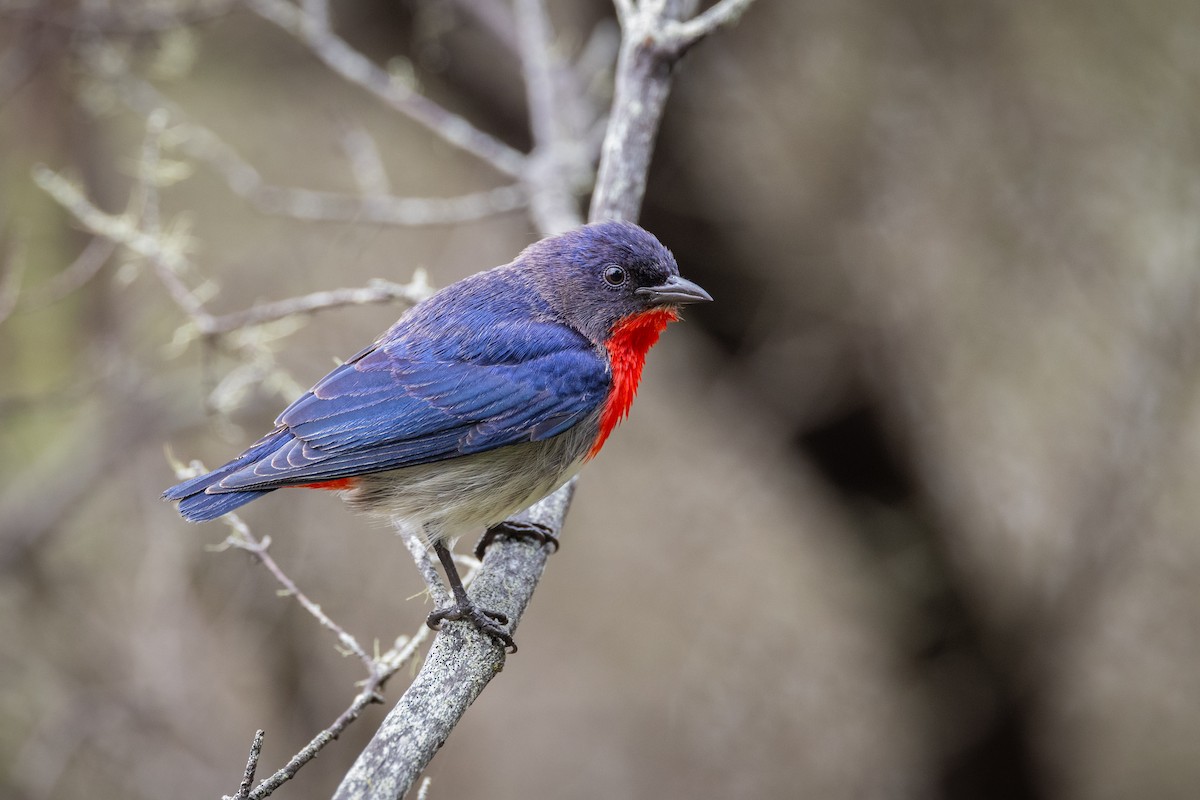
631, 339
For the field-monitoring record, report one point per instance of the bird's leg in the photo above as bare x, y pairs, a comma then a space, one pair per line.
486, 622
515, 529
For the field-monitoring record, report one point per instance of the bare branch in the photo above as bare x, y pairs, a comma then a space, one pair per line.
318, 206
556, 158
460, 664
243, 179
625, 11
438, 593
534, 34
251, 766
358, 69
679, 36
377, 291
85, 267
642, 85
164, 252
387, 665
243, 539
108, 18
379, 669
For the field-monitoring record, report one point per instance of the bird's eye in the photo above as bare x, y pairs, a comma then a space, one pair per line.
614, 275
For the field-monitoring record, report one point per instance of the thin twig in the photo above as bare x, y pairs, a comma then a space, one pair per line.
169, 262
321, 206
106, 19
251, 766
459, 665
438, 592
164, 252
379, 669
533, 28
85, 267
678, 36
244, 180
243, 539
376, 291
556, 159
386, 666
359, 70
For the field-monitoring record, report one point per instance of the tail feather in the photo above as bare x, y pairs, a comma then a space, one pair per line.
202, 507
197, 504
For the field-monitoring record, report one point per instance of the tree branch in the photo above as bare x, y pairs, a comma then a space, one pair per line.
462, 661
555, 161
166, 253
377, 291
625, 10
244, 180
251, 766
358, 69
379, 669
642, 85
243, 539
460, 664
678, 36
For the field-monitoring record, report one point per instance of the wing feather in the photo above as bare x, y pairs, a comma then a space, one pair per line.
400, 404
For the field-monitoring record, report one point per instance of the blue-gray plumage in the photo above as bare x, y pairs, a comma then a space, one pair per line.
478, 401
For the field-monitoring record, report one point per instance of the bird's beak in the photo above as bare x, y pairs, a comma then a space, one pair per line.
675, 291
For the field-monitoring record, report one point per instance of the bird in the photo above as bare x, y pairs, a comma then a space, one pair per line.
479, 401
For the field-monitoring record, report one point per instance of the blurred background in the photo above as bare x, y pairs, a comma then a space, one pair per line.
909, 512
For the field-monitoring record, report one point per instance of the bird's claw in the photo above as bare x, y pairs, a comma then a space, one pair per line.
515, 529
485, 621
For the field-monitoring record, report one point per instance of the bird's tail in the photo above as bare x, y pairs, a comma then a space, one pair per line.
198, 504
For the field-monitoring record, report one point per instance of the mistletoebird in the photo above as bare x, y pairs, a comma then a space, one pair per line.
478, 402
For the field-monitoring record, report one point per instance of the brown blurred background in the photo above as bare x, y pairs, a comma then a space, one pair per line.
910, 512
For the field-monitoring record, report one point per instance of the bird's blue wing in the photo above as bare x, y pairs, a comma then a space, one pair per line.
400, 404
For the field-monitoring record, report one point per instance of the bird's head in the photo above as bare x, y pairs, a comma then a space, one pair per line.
601, 274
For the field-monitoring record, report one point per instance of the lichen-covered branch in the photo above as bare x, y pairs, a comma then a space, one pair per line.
462, 661
643, 82
460, 664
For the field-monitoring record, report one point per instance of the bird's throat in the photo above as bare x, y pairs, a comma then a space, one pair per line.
631, 339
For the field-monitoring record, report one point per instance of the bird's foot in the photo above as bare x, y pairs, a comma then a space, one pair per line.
489, 623
515, 529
